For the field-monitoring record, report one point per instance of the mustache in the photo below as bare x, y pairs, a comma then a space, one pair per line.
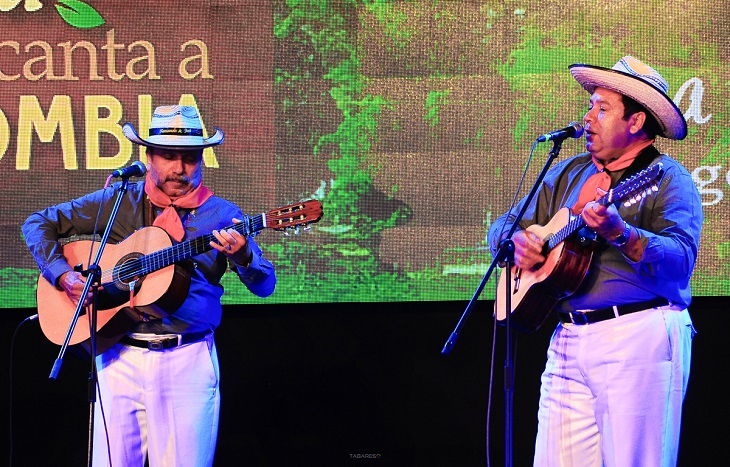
185, 180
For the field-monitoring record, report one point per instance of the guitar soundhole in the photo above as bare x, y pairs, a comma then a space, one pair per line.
128, 268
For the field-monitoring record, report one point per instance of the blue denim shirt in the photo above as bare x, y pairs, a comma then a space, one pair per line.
668, 222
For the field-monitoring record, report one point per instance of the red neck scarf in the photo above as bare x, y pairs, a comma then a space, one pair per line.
169, 220
598, 184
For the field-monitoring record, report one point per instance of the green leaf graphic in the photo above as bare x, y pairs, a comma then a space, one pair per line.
79, 14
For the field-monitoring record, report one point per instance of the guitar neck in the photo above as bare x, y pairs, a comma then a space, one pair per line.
615, 195
576, 223
185, 250
285, 217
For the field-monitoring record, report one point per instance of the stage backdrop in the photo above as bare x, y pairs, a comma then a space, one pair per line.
410, 120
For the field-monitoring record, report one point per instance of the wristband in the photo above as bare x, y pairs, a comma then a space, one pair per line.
623, 238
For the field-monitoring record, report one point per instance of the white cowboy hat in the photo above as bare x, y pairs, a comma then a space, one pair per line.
174, 127
641, 83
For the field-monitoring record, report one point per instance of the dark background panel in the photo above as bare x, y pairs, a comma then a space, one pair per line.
317, 385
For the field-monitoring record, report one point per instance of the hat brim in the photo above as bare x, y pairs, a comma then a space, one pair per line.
177, 142
670, 118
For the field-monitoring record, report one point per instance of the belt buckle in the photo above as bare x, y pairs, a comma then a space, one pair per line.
159, 344
583, 320
156, 345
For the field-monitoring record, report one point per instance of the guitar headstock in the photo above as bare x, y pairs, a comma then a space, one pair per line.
636, 187
295, 215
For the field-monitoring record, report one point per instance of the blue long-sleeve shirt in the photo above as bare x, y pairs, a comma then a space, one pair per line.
201, 310
668, 222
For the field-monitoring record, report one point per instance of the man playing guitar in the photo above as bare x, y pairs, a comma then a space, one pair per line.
159, 385
618, 361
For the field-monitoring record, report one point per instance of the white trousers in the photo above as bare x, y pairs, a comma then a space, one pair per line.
612, 391
158, 404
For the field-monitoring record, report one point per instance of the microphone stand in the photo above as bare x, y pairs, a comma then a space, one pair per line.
505, 256
93, 275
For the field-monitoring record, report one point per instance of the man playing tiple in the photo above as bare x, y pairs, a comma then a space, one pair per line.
159, 385
618, 362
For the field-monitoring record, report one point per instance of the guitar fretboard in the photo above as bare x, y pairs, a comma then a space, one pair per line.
573, 225
146, 264
614, 195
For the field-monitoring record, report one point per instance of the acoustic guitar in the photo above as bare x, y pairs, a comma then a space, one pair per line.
144, 275
568, 249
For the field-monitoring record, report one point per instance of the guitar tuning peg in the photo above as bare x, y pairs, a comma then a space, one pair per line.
627, 204
307, 228
296, 230
286, 232
654, 188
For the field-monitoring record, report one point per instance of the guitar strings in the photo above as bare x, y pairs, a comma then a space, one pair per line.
146, 264
620, 192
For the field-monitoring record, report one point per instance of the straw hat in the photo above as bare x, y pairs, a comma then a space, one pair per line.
641, 83
174, 127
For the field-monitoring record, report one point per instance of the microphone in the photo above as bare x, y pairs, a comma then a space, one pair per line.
574, 130
137, 169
